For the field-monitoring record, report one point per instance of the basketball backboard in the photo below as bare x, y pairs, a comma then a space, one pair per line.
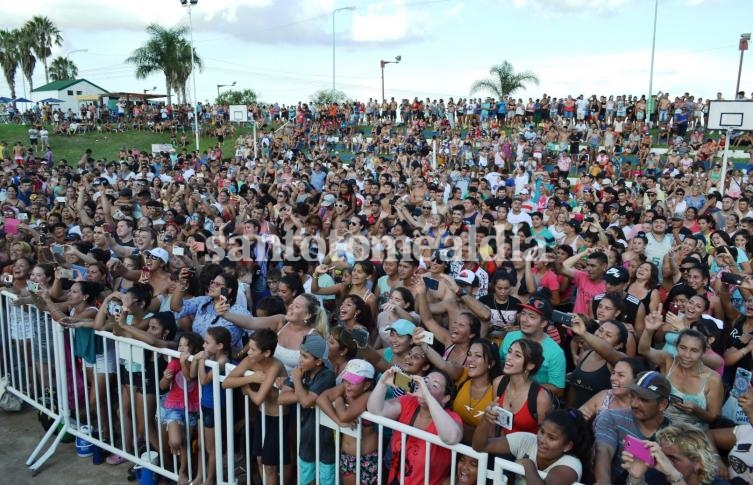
730, 115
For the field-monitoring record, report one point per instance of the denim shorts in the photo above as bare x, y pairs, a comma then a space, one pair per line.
177, 416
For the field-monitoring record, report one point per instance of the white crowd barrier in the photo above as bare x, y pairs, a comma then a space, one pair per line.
114, 405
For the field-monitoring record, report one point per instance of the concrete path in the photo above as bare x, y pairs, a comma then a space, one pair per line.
19, 435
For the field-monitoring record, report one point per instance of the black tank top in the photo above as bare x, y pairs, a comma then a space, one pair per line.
586, 384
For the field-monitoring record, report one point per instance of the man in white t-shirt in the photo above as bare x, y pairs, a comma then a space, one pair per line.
516, 214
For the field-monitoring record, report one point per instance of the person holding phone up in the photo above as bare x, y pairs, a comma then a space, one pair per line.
681, 455
427, 409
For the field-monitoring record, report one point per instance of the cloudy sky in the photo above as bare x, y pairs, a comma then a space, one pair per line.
283, 48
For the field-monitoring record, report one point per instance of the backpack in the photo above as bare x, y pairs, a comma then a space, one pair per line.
533, 394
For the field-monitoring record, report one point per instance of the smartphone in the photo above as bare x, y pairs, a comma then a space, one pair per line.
200, 247
60, 200
7, 279
66, 274
428, 338
167, 239
431, 283
224, 292
504, 417
178, 251
740, 384
23, 216
32, 286
674, 308
109, 227
403, 382
639, 450
675, 399
129, 320
114, 308
562, 318
732, 279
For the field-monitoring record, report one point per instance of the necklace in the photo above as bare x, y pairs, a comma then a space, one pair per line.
499, 311
471, 406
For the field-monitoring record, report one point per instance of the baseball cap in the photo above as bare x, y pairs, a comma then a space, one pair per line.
651, 385
402, 327
539, 305
160, 254
358, 370
315, 345
616, 275
328, 200
606, 181
466, 277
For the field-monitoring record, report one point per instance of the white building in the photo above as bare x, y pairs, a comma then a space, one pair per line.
72, 93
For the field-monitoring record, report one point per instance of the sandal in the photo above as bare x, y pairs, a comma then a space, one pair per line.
115, 460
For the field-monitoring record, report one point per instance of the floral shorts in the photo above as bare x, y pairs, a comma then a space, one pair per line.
369, 467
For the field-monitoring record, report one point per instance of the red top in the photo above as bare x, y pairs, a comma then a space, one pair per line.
415, 449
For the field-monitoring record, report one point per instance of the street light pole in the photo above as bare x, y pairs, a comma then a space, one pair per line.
351, 7
189, 4
744, 38
223, 86
384, 63
650, 103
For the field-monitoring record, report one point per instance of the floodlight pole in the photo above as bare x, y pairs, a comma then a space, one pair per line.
189, 4
351, 7
743, 46
649, 105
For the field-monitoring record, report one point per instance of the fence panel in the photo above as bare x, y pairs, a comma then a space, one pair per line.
118, 393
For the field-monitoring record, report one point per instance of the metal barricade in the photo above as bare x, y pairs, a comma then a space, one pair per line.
98, 401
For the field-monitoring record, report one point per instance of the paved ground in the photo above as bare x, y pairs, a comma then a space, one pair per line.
19, 435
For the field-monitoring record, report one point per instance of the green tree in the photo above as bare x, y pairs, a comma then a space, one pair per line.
26, 54
165, 52
62, 68
504, 81
185, 67
45, 35
231, 96
9, 58
326, 96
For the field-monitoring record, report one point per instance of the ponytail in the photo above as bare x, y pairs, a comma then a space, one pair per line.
318, 317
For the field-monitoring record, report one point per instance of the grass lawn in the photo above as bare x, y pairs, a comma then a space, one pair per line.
107, 145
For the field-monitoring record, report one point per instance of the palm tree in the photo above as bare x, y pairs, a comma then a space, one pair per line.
45, 35
165, 52
62, 68
26, 54
9, 58
184, 68
504, 81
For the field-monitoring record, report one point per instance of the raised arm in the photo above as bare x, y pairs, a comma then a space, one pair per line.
653, 322
598, 344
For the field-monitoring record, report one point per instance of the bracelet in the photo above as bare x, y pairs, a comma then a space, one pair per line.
679, 479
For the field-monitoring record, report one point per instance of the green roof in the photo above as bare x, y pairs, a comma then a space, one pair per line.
60, 85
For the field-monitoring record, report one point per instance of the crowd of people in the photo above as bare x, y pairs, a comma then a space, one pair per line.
546, 285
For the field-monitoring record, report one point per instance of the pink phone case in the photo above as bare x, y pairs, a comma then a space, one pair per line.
638, 450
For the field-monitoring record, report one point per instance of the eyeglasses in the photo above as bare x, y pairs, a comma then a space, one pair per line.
151, 257
341, 206
353, 223
216, 283
426, 207
686, 268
